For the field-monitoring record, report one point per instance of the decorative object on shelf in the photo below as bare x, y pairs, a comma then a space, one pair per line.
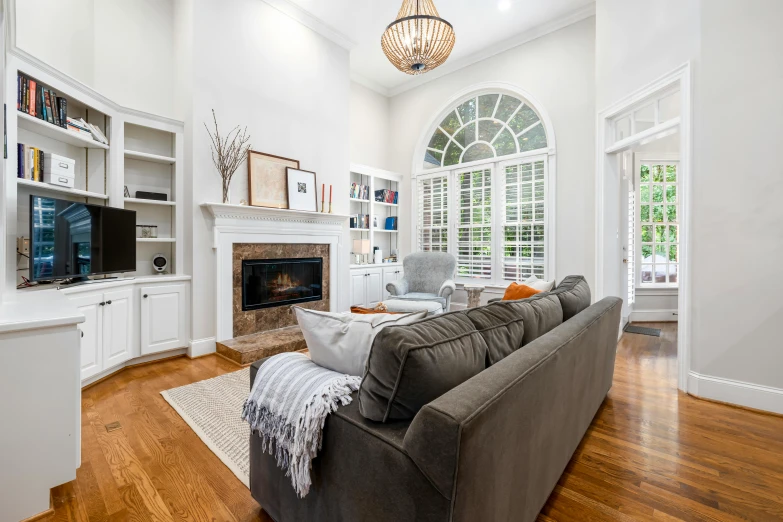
377, 255
159, 263
419, 40
301, 190
147, 231
126, 192
375, 221
59, 170
391, 223
243, 202
156, 196
228, 152
386, 196
361, 248
267, 182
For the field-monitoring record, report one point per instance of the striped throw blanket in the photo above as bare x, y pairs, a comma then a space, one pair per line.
288, 405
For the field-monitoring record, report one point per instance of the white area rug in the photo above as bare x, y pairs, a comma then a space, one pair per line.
213, 408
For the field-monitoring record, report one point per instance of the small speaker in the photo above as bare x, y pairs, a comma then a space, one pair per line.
159, 262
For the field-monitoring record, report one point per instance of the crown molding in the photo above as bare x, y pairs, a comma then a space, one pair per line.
312, 22
515, 41
370, 84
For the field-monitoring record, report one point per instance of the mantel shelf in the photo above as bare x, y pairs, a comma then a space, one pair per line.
44, 128
246, 212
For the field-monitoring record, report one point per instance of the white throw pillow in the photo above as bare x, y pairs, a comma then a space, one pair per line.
539, 284
342, 341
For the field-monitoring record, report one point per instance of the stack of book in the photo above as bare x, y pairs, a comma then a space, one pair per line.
360, 221
360, 192
386, 196
41, 102
29, 162
36, 100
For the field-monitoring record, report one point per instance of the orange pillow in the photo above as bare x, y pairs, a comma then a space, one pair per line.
517, 291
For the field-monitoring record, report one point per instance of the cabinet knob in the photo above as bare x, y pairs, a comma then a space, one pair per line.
81, 333
145, 296
108, 302
102, 303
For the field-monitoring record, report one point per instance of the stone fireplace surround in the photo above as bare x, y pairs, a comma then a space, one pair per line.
259, 228
264, 319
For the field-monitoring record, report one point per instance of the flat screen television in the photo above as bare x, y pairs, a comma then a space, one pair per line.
70, 240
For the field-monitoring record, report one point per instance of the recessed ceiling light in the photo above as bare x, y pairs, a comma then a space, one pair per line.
504, 5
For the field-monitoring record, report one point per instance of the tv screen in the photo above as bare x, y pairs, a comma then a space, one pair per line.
76, 240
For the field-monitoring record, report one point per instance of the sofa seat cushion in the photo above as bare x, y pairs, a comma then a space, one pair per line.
506, 326
411, 365
574, 295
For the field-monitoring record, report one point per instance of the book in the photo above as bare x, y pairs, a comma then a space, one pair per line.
20, 160
391, 223
32, 100
48, 106
62, 103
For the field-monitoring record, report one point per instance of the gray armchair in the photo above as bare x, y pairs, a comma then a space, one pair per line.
428, 277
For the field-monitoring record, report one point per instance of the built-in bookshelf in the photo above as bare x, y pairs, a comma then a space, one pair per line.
383, 185
111, 146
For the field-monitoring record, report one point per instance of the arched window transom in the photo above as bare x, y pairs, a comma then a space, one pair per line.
485, 127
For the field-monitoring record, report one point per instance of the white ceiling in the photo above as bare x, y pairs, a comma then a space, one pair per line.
481, 28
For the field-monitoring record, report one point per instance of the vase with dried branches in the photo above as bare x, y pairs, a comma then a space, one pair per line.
228, 152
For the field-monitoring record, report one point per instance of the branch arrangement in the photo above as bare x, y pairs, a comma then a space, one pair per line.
228, 152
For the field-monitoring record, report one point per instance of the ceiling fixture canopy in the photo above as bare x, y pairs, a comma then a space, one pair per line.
419, 40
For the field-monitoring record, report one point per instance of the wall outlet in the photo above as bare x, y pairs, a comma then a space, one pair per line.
23, 245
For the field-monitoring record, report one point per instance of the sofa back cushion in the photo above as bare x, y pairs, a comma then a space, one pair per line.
411, 365
506, 326
574, 295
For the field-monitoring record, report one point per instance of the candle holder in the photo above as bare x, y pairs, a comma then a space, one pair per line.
330, 207
323, 206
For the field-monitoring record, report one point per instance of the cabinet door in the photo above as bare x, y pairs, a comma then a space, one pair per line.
117, 321
358, 283
390, 274
91, 333
374, 286
162, 318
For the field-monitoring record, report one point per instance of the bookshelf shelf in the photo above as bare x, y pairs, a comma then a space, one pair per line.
357, 200
384, 231
140, 201
154, 158
382, 204
156, 240
44, 128
38, 185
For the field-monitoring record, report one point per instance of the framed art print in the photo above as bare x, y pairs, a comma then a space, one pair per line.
267, 183
302, 190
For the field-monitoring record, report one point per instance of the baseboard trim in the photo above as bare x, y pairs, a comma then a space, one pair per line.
744, 394
138, 361
653, 316
199, 347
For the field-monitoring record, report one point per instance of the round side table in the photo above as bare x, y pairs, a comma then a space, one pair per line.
474, 295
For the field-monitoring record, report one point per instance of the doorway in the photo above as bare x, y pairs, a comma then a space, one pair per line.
643, 141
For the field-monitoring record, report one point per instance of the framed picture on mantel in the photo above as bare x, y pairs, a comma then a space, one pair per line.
302, 193
267, 182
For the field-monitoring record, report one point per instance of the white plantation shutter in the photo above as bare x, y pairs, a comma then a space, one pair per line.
524, 219
474, 223
433, 214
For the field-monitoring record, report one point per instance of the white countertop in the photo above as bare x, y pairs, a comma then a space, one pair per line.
21, 311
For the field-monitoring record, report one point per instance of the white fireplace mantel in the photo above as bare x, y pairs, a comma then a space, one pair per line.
246, 224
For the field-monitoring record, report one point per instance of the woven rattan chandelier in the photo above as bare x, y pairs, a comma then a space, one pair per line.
419, 40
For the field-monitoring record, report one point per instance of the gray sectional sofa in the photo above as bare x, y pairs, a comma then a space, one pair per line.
466, 416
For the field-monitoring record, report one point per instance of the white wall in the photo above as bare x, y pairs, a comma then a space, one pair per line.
738, 183
369, 127
123, 49
290, 86
637, 41
558, 70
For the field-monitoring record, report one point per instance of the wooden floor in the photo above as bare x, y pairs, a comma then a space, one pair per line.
651, 453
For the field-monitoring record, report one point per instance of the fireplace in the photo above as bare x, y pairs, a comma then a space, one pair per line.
268, 283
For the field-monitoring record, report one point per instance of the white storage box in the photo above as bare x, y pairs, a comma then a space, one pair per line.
59, 170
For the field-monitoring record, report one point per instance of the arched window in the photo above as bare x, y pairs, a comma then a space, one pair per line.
485, 188
485, 127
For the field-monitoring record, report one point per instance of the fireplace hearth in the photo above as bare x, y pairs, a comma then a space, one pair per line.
269, 283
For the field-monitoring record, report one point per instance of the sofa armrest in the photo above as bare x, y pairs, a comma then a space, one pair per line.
398, 287
447, 288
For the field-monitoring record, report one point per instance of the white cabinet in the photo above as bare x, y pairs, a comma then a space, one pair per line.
91, 359
105, 333
390, 274
163, 318
368, 285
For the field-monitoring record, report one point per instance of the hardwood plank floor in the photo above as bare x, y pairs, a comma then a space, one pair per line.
651, 453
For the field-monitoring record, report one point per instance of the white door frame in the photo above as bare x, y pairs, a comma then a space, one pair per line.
606, 149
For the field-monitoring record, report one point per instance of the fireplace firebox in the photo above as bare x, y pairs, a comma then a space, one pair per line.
277, 282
